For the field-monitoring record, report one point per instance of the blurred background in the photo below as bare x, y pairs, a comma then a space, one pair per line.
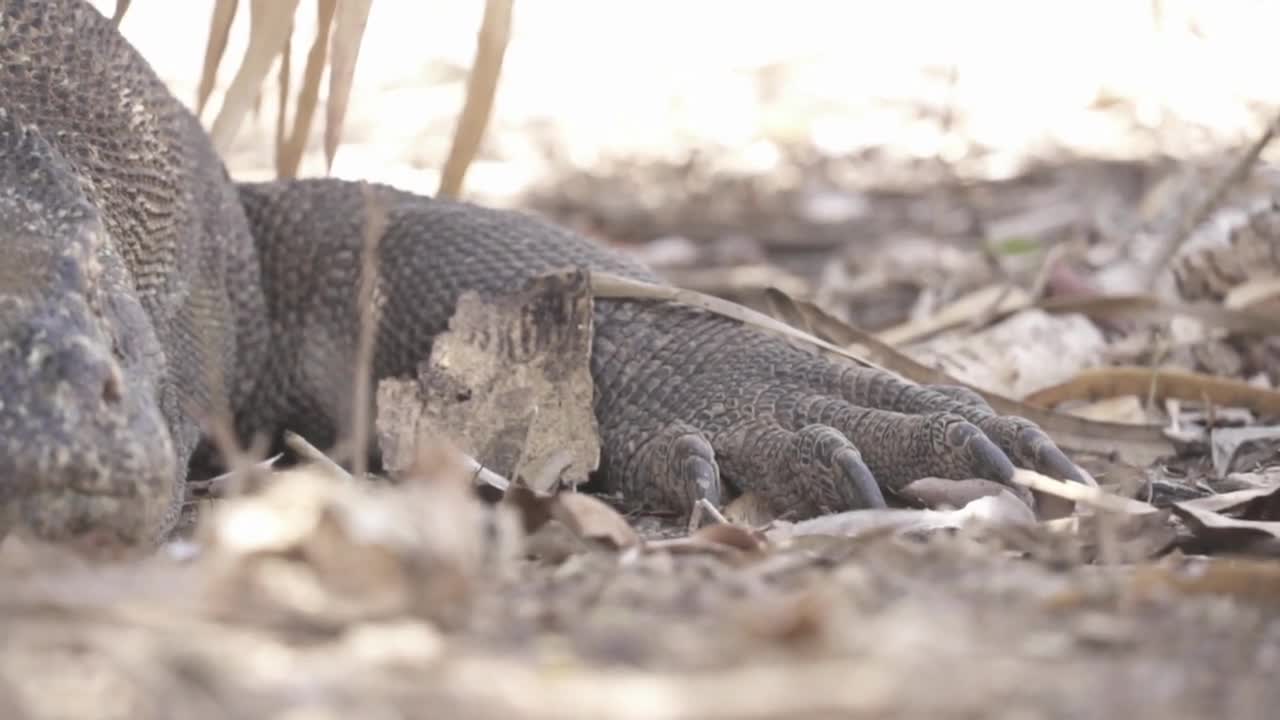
886, 160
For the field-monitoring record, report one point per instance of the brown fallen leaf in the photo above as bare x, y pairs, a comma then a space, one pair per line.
1159, 384
803, 619
1249, 580
1234, 448
1252, 292
509, 383
732, 543
1126, 409
1001, 509
534, 510
962, 311
748, 509
944, 493
1252, 504
593, 520
1217, 532
734, 536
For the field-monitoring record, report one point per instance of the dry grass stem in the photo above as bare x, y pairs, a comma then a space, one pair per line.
482, 85
224, 12
375, 218
271, 24
349, 24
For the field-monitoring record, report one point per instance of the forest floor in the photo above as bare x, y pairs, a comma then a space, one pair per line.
1016, 265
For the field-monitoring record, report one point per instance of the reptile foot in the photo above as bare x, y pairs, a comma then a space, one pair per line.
679, 468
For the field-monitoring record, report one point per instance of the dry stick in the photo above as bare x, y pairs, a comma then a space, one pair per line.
310, 452
375, 213
710, 509
216, 486
1200, 212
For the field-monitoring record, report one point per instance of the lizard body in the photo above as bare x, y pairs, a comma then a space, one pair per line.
143, 293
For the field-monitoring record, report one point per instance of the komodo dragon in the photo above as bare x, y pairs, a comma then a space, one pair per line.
141, 292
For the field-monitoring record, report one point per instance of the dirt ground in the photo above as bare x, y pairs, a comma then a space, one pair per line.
312, 596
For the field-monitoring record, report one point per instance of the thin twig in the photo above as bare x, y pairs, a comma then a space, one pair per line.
709, 508
375, 216
1198, 214
217, 486
310, 452
482, 474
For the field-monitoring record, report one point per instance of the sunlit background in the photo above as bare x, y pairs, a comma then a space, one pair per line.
983, 85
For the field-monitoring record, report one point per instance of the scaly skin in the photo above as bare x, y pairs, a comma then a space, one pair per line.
685, 399
136, 307
127, 276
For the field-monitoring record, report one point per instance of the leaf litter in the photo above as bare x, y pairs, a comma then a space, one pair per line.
325, 593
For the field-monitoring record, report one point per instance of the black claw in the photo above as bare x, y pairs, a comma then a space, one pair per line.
859, 476
705, 478
989, 460
1049, 460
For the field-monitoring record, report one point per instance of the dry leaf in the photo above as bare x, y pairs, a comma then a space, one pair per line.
943, 493
965, 309
509, 383
1226, 444
1159, 384
271, 23
1001, 509
534, 510
349, 24
1019, 354
734, 536
748, 509
1252, 504
1252, 292
591, 519
1126, 409
482, 85
1245, 579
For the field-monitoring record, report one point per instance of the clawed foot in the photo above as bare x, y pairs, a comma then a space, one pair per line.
811, 437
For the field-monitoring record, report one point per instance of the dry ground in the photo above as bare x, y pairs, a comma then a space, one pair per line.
884, 167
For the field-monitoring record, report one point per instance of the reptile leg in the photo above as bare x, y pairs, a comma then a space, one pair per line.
673, 468
689, 404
